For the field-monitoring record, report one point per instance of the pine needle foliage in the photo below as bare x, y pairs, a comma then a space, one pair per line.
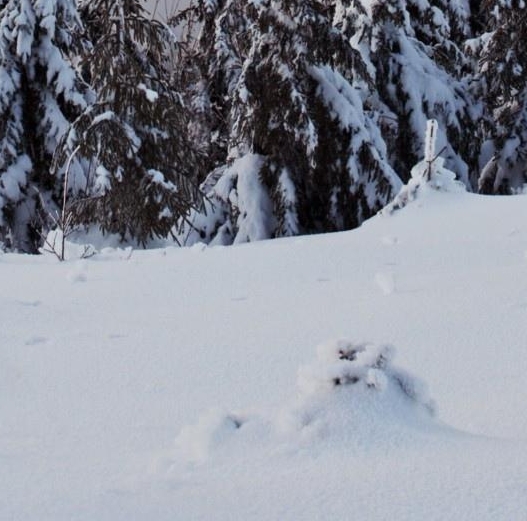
503, 71
41, 92
282, 77
414, 54
135, 136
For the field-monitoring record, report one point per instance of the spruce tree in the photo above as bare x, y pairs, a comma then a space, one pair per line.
414, 53
135, 136
40, 93
503, 72
301, 154
479, 17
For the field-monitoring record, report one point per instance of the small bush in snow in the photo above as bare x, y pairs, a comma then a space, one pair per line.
351, 393
430, 173
344, 363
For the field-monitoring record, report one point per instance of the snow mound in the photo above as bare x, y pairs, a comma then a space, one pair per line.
83, 245
213, 429
58, 245
351, 395
426, 177
385, 281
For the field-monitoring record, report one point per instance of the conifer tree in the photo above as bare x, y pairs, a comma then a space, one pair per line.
301, 154
503, 71
413, 51
134, 137
40, 93
479, 17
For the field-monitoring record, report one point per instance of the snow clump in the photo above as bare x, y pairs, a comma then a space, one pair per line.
367, 366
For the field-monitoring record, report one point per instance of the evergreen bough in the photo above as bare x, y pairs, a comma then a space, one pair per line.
135, 136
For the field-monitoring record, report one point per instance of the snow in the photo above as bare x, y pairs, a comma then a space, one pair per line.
151, 95
15, 177
428, 175
385, 280
103, 180
251, 199
288, 193
186, 383
26, 21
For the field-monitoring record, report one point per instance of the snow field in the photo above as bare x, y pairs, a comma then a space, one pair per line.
161, 384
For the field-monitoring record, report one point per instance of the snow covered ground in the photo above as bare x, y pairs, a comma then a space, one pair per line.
184, 384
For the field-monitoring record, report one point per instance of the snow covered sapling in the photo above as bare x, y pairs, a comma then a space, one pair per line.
64, 222
430, 148
343, 363
351, 393
428, 173
41, 92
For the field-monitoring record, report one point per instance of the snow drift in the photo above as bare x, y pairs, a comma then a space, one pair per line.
351, 394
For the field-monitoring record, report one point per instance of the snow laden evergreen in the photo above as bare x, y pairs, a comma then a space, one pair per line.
413, 52
260, 119
298, 150
478, 17
135, 136
40, 93
503, 71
